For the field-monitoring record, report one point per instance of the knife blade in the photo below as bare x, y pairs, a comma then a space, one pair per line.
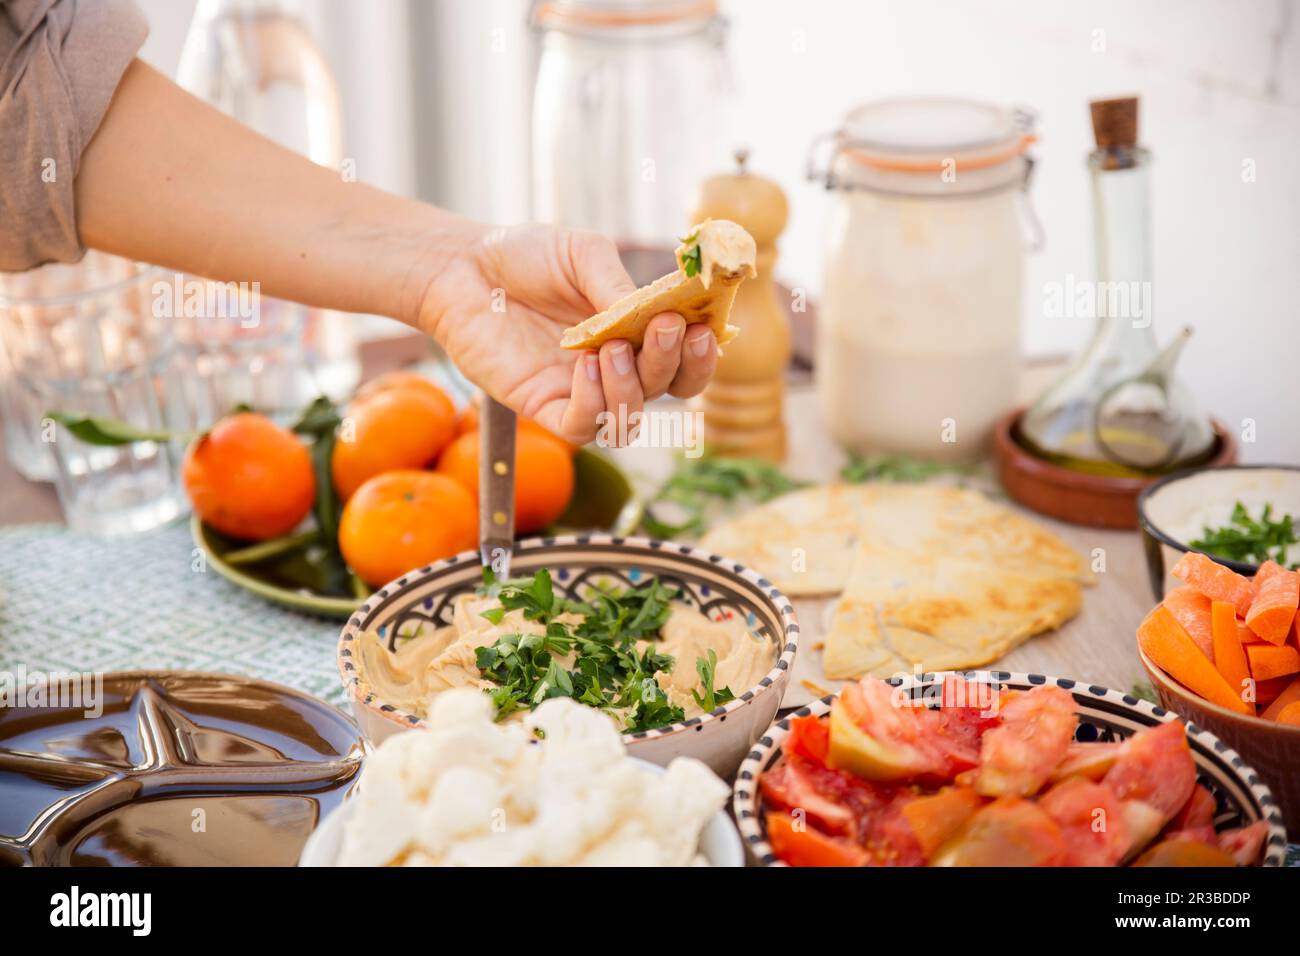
496, 486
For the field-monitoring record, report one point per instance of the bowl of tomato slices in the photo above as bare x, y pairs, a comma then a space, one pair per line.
990, 768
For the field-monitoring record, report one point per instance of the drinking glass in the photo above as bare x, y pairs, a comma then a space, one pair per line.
87, 339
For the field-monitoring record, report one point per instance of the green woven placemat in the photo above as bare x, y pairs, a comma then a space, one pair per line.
73, 602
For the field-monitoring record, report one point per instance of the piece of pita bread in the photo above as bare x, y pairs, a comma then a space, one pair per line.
726, 258
902, 610
803, 542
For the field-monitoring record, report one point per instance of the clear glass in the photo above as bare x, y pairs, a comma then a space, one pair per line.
628, 120
101, 350
256, 61
1117, 410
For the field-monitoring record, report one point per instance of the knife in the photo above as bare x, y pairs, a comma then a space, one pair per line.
496, 487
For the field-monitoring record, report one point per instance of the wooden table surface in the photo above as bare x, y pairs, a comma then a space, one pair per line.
1097, 646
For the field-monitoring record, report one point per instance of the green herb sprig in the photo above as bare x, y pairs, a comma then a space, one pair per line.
896, 469
1251, 540
702, 490
608, 670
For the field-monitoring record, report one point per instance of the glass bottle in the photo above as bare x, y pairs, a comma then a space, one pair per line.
255, 60
1118, 410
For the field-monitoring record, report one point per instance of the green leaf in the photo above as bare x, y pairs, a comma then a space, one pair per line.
109, 431
900, 469
1251, 540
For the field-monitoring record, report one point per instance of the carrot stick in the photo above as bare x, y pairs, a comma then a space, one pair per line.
1290, 714
1163, 640
1214, 580
1246, 635
1229, 657
1276, 598
1191, 609
1283, 700
1267, 661
1267, 691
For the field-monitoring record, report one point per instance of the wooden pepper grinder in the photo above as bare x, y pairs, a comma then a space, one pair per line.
744, 404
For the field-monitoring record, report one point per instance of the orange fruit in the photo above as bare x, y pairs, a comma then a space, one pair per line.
469, 421
402, 520
390, 429
249, 478
399, 379
543, 474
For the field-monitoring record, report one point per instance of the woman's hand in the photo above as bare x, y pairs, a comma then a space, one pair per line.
500, 308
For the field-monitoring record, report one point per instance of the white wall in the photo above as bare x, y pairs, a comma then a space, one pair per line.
1219, 81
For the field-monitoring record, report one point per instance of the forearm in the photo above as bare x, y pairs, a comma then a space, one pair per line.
170, 180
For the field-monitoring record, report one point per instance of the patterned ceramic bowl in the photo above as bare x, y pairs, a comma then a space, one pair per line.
716, 586
1103, 715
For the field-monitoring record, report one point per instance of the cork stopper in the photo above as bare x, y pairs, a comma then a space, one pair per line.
1115, 122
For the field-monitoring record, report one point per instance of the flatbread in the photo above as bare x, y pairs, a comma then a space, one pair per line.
903, 610
931, 576
803, 542
726, 253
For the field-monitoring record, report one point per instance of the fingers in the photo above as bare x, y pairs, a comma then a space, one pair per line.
577, 423
661, 354
699, 359
622, 386
597, 270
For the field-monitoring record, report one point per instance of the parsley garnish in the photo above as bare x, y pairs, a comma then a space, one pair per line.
710, 699
608, 670
891, 469
1250, 540
691, 257
704, 489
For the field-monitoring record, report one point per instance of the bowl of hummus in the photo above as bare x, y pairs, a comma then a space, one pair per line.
682, 651
554, 788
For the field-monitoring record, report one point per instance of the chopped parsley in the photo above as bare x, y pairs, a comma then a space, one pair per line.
691, 257
702, 490
895, 469
1251, 540
710, 699
594, 660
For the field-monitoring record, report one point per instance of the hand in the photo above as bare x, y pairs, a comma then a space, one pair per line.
500, 308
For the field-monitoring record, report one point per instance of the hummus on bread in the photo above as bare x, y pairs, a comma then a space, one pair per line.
712, 261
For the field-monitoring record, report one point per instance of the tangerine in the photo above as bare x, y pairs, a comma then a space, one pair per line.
543, 474
249, 478
401, 427
402, 520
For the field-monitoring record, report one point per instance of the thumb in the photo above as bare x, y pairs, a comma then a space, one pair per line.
597, 269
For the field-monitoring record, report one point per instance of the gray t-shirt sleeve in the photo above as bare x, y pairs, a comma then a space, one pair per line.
60, 61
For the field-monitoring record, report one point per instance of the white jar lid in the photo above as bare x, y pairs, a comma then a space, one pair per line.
926, 144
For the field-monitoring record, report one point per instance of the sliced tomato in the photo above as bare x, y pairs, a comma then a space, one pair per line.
1195, 834
810, 737
1007, 832
1090, 761
1031, 739
1197, 812
1155, 767
794, 785
936, 817
879, 734
1244, 844
1184, 853
1091, 820
798, 844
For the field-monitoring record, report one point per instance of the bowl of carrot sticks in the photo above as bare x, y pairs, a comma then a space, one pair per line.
1223, 651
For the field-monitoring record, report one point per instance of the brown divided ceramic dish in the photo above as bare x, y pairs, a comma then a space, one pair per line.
179, 769
1095, 500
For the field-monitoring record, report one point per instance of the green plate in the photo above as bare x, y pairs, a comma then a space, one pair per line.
603, 500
